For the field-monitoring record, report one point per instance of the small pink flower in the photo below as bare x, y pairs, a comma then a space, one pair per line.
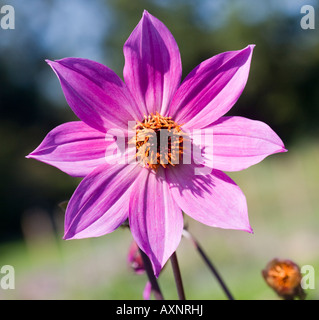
134, 259
153, 195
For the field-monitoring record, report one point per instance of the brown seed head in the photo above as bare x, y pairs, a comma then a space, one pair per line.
284, 277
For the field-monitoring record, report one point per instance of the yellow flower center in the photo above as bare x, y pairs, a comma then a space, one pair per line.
159, 141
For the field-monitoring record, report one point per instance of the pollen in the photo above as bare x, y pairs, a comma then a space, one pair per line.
159, 141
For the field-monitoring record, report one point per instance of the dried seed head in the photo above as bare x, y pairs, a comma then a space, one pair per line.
284, 277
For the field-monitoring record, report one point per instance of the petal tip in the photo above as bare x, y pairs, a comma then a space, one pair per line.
49, 62
281, 150
250, 48
147, 17
246, 228
31, 155
157, 270
53, 63
68, 236
250, 230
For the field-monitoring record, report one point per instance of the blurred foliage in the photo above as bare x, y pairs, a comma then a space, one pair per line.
281, 90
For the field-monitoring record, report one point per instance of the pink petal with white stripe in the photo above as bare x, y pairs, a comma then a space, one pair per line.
153, 65
155, 219
100, 204
95, 93
213, 199
73, 147
211, 89
239, 143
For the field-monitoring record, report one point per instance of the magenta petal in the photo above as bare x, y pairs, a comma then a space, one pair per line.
156, 221
100, 203
239, 143
211, 89
95, 93
153, 65
74, 148
147, 291
213, 199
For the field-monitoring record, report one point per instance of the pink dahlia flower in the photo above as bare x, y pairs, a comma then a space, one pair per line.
153, 191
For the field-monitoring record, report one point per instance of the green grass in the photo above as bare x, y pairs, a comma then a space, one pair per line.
283, 202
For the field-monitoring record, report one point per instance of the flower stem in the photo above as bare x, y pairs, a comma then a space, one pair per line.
189, 236
150, 273
177, 276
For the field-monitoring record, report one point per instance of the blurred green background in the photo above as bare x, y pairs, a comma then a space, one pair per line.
282, 191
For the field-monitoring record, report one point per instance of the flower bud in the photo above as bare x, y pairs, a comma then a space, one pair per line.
284, 277
134, 259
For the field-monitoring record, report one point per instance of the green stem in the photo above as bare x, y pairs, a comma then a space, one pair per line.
189, 236
178, 277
